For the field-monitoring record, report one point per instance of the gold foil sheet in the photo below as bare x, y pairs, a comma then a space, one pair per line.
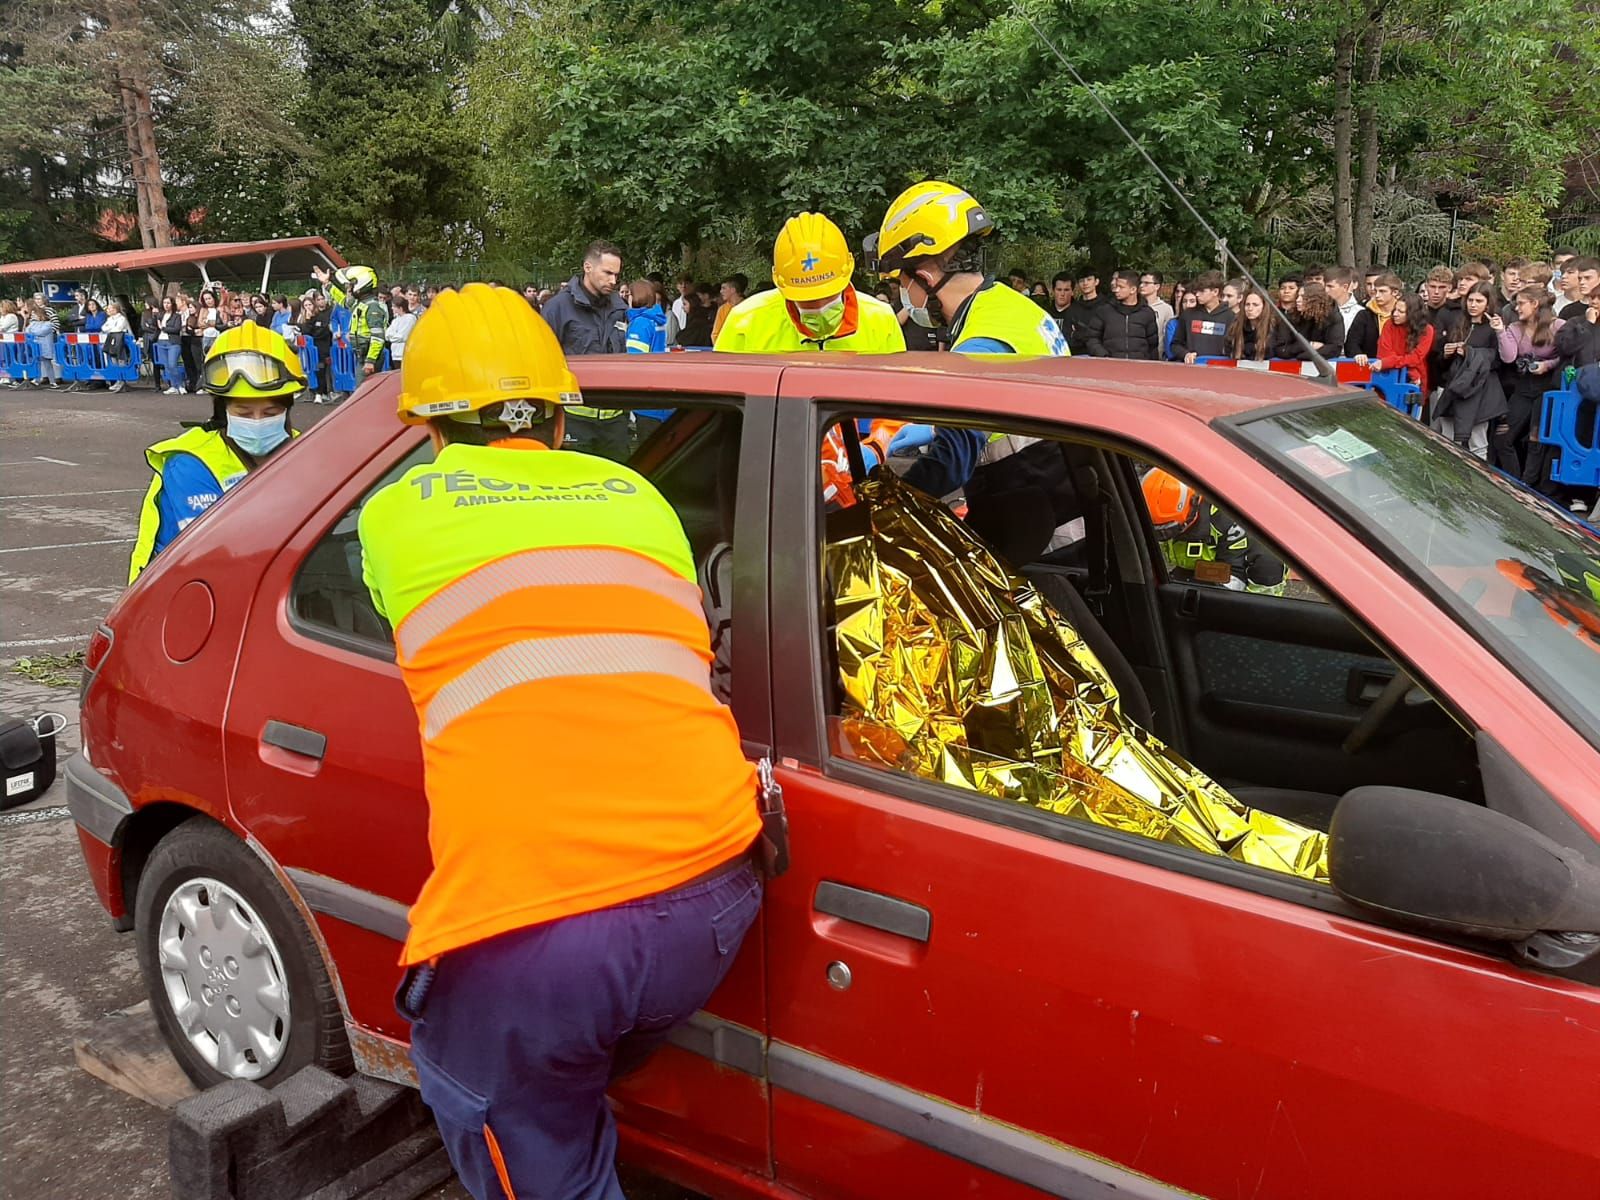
956, 670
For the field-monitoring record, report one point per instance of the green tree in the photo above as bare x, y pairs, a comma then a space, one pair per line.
667, 128
393, 170
1520, 230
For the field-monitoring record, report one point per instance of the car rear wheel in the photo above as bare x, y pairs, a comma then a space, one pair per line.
235, 980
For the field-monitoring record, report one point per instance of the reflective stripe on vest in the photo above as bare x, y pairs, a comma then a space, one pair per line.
563, 657
554, 567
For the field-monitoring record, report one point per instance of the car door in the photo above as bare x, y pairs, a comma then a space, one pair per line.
1271, 686
325, 765
976, 996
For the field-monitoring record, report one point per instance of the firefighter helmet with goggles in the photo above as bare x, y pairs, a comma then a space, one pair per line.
251, 362
1173, 504
926, 219
810, 259
358, 281
480, 346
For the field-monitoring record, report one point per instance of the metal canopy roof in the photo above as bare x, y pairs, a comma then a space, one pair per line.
196, 262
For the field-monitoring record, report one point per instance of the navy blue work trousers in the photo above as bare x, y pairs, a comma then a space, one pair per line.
516, 1038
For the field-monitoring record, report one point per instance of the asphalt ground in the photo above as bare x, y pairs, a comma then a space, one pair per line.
72, 476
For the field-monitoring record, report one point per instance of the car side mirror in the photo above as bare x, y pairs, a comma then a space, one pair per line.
1429, 860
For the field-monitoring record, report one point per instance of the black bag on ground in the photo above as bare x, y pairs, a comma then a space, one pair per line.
28, 756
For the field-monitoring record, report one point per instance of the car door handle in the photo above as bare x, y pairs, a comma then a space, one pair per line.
296, 739
874, 910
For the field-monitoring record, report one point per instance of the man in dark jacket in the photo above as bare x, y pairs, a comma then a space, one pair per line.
589, 317
1203, 330
1360, 326
1444, 314
1074, 318
1128, 326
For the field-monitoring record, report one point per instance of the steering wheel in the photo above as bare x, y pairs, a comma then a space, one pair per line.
1382, 708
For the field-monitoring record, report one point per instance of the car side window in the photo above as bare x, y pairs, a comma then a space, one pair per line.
1009, 637
328, 594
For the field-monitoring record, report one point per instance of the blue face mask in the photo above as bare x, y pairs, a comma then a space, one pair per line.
258, 436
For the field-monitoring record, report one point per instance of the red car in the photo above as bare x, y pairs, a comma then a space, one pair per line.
951, 994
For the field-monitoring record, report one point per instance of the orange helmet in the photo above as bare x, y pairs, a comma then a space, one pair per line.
1173, 504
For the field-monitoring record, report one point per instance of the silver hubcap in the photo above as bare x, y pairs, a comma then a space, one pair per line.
224, 979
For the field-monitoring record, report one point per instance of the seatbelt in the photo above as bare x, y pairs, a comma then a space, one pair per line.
1096, 537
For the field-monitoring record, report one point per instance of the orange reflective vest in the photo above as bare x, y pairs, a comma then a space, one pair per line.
837, 486
551, 634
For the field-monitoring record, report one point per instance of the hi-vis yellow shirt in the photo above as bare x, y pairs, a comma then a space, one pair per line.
549, 628
766, 323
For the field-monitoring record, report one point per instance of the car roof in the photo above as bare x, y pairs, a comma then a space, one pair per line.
1204, 393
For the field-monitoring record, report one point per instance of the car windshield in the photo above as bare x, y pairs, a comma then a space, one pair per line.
1522, 575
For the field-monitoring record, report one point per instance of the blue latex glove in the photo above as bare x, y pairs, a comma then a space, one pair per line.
911, 437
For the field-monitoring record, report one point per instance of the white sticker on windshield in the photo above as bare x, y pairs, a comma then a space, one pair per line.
1343, 445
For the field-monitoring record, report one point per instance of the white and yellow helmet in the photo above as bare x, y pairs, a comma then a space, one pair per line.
926, 219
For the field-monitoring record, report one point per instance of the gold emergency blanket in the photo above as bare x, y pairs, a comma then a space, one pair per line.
957, 670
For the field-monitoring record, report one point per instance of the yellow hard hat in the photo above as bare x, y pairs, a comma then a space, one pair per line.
251, 362
927, 218
810, 259
480, 346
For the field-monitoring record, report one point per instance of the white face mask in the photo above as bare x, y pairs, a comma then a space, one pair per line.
919, 316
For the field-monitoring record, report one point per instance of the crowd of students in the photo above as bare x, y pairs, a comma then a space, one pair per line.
176, 330
1482, 345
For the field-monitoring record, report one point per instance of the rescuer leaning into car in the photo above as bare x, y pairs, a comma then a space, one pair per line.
545, 616
253, 376
931, 245
1202, 542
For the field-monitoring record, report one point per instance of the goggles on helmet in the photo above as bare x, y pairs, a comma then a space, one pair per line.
262, 372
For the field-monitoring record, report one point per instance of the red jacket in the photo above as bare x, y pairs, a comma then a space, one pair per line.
1392, 352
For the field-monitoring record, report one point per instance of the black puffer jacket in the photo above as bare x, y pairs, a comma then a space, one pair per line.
1126, 331
1578, 341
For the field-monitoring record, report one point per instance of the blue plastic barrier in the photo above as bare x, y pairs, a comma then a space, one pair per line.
1397, 390
342, 364
19, 356
1579, 463
346, 371
310, 361
83, 358
339, 321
